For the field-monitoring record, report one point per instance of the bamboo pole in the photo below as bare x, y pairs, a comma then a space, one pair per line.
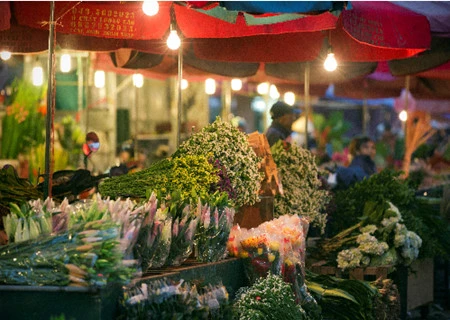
51, 91
307, 102
180, 100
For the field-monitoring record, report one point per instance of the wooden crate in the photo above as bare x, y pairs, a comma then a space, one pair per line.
367, 274
420, 287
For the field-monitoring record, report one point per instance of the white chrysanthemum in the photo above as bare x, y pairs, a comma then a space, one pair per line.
300, 179
370, 228
349, 258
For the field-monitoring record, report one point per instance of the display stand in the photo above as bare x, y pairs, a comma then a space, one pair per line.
34, 302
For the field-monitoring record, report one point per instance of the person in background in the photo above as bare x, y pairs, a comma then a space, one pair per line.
283, 116
362, 150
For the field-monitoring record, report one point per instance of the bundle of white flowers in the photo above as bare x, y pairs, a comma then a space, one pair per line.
302, 193
379, 239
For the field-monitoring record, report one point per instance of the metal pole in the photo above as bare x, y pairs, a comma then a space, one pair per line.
307, 103
180, 101
51, 90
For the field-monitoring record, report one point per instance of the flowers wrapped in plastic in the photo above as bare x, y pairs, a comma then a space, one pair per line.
164, 299
184, 226
275, 247
153, 242
215, 222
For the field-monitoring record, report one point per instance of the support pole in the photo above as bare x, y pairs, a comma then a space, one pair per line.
180, 100
307, 102
226, 100
51, 91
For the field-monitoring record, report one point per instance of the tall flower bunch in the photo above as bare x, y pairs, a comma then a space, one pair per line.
302, 193
230, 146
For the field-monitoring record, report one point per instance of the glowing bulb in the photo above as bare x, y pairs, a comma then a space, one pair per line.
184, 84
263, 88
210, 86
150, 7
330, 63
173, 40
236, 84
5, 55
403, 115
99, 79
65, 63
289, 98
273, 92
138, 80
38, 76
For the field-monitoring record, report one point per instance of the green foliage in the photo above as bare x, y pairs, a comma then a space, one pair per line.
388, 186
342, 299
23, 125
331, 129
71, 138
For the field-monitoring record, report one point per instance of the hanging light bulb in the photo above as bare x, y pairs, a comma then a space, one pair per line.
173, 40
150, 7
236, 84
138, 80
403, 116
210, 86
273, 92
289, 98
184, 84
5, 55
37, 75
330, 63
65, 63
99, 79
263, 88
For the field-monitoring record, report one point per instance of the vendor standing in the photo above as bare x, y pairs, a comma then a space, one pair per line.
283, 116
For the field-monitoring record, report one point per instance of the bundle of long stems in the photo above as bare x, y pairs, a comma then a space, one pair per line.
418, 131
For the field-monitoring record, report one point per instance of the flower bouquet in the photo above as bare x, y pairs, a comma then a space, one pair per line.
223, 142
213, 230
302, 192
378, 239
183, 231
275, 246
268, 298
164, 299
153, 242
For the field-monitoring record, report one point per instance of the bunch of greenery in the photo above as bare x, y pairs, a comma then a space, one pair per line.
389, 186
302, 192
222, 141
268, 298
